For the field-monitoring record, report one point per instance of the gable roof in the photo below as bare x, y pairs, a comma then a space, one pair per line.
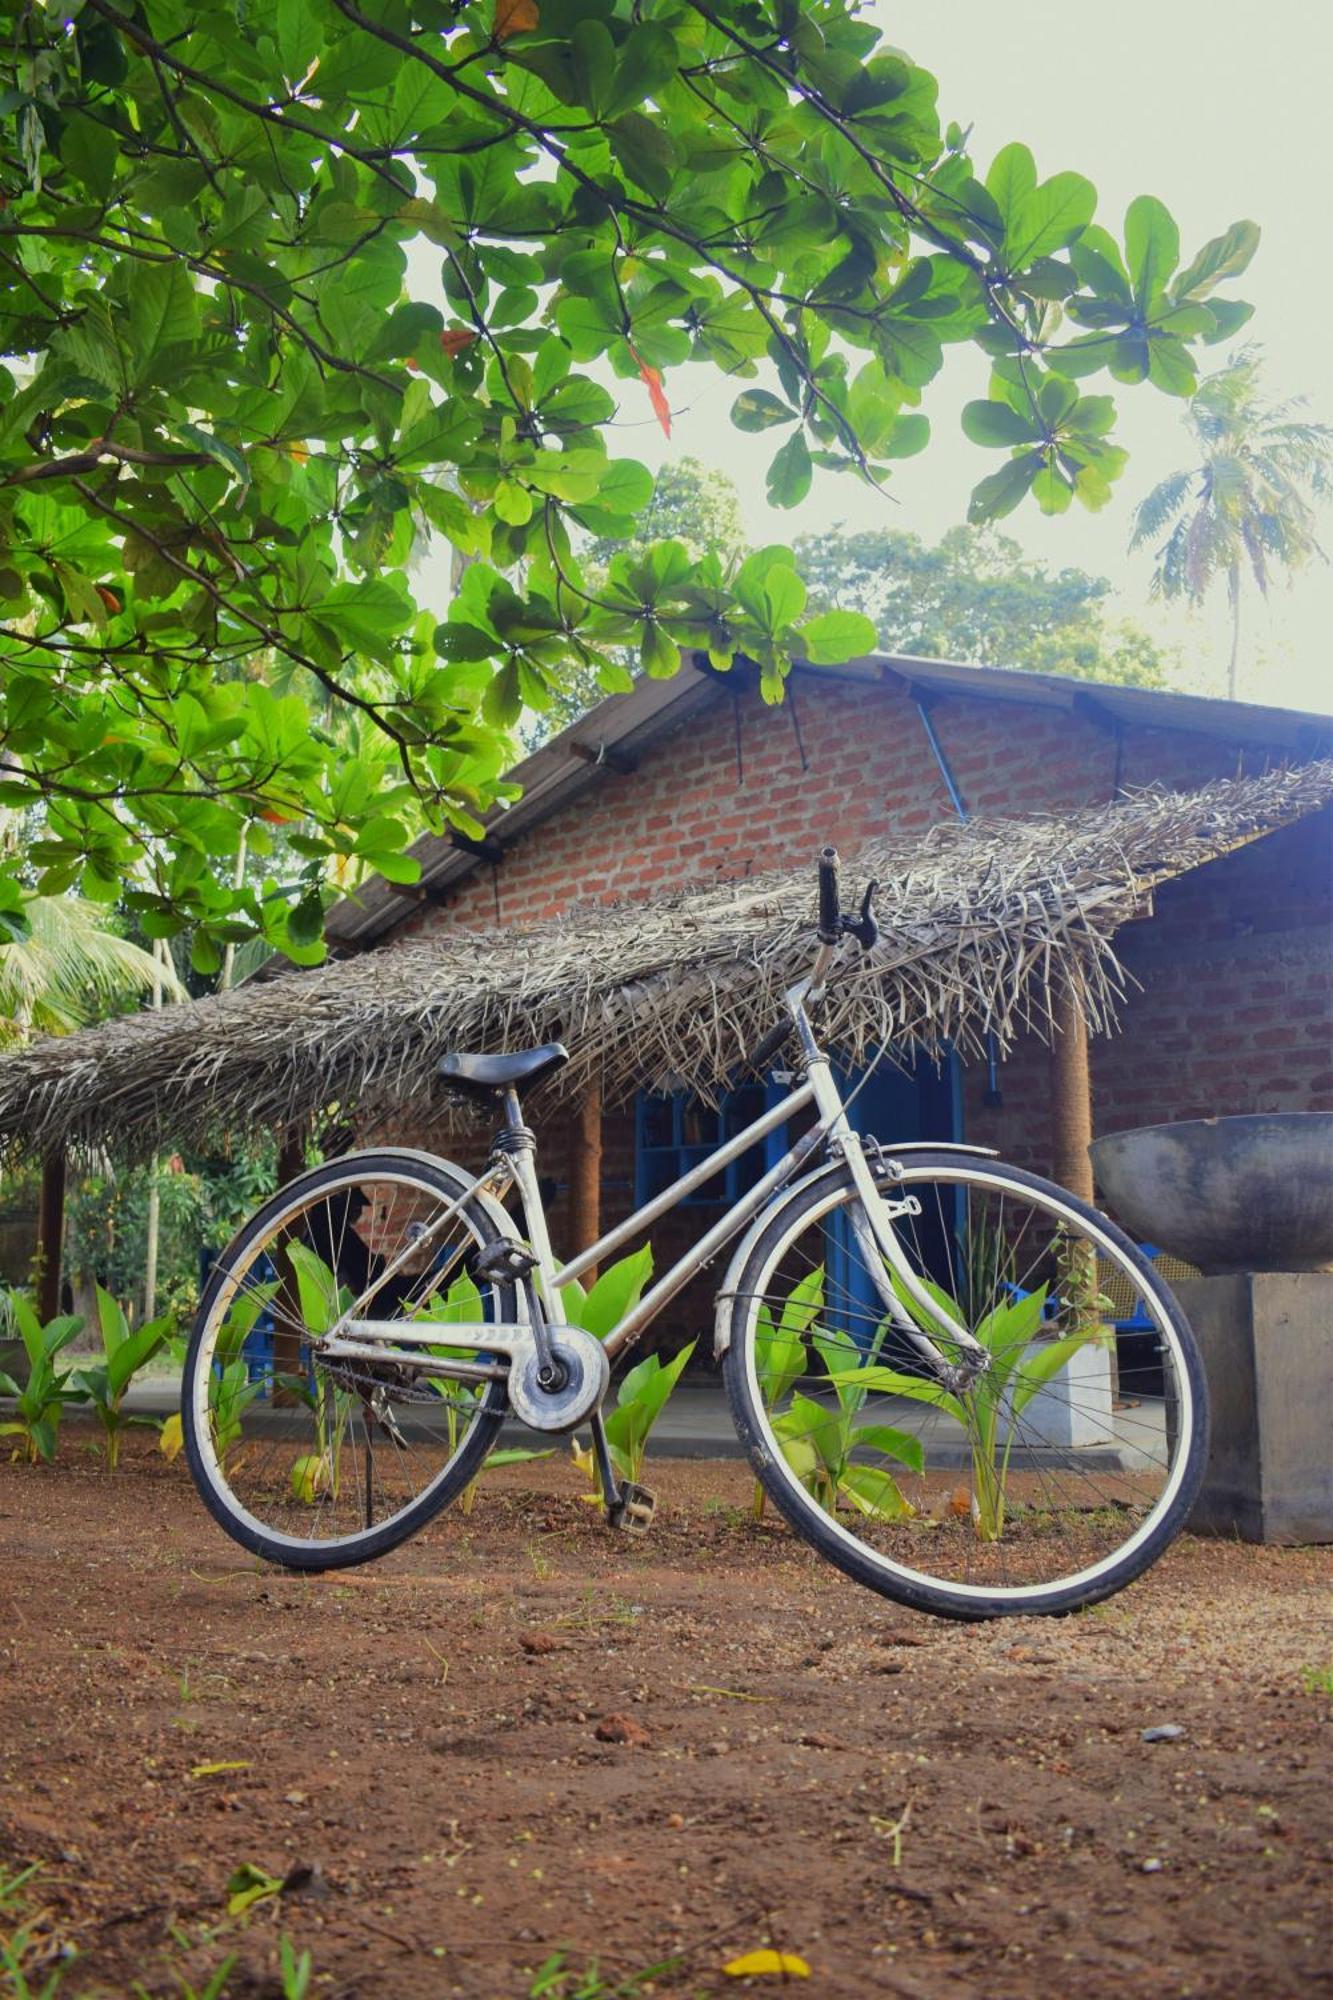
617, 729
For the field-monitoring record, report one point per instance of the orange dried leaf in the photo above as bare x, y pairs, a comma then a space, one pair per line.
455, 338
515, 17
652, 379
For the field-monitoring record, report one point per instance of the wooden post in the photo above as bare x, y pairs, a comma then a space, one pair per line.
1071, 1100
585, 1174
286, 1302
1071, 1135
50, 1235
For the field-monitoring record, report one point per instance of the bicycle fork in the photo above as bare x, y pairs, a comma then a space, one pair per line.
877, 1239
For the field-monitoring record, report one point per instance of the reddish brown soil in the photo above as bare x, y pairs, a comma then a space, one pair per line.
519, 1734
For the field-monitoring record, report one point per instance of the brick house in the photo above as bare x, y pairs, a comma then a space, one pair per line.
1217, 888
695, 781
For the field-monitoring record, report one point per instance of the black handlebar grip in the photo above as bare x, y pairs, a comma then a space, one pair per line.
830, 908
776, 1038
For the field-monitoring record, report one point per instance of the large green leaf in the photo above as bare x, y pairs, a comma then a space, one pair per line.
617, 1291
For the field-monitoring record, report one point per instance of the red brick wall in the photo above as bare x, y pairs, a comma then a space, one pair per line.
1229, 1007
688, 815
1236, 1007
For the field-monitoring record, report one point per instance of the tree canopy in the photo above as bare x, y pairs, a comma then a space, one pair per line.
284, 289
975, 597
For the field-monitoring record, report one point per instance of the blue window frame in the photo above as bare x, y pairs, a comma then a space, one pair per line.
673, 1134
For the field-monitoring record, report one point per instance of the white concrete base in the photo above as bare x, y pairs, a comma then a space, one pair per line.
1074, 1407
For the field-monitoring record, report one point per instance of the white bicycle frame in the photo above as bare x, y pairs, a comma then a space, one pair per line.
354, 1336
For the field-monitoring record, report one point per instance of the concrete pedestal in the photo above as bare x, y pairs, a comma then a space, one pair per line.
1267, 1341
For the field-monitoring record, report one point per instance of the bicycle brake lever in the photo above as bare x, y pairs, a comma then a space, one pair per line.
864, 928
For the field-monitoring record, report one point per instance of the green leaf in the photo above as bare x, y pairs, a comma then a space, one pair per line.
164, 315
1049, 218
1040, 1365
993, 423
894, 1443
790, 474
835, 636
1003, 490
757, 410
1224, 257
1152, 248
1011, 182
616, 1292
873, 1491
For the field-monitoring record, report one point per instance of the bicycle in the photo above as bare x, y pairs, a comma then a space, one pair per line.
914, 1342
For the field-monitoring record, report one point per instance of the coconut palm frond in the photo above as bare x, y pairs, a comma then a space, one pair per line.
1161, 506
71, 966
1262, 468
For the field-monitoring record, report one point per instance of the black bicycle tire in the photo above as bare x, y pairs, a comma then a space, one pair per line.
809, 1520
442, 1178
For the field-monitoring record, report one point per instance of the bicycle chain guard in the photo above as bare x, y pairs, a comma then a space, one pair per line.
584, 1373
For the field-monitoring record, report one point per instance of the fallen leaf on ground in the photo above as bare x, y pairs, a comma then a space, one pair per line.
767, 1965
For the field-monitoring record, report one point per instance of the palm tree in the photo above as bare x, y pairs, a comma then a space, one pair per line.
70, 968
1249, 504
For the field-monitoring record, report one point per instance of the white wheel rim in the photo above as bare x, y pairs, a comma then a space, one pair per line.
975, 1593
203, 1361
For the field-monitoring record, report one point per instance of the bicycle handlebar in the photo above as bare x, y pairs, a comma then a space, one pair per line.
830, 907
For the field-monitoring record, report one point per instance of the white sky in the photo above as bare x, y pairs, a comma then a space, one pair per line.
1221, 109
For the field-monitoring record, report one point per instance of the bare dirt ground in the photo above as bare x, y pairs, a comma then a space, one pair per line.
915, 1808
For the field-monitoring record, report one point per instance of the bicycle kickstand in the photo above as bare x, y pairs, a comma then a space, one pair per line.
628, 1507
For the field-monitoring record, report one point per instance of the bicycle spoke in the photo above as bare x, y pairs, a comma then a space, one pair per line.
309, 1449
1038, 1476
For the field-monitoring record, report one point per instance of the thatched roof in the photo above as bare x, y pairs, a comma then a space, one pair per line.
984, 925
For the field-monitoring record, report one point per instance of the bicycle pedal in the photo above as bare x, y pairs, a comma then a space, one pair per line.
633, 1512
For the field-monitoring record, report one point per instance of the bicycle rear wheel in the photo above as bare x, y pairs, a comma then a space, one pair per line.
1062, 1474
316, 1463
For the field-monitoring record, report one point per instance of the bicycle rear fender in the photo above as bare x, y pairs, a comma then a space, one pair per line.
830, 1170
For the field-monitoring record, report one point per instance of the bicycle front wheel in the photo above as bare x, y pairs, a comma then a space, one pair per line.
1058, 1477
319, 1463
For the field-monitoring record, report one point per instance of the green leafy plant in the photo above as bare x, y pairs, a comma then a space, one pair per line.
826, 1444
642, 1394
124, 1354
39, 1403
24, 1954
462, 1306
294, 1970
780, 1351
559, 1979
322, 1299
990, 1411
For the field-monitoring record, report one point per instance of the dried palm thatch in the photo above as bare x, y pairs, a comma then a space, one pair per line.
985, 926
